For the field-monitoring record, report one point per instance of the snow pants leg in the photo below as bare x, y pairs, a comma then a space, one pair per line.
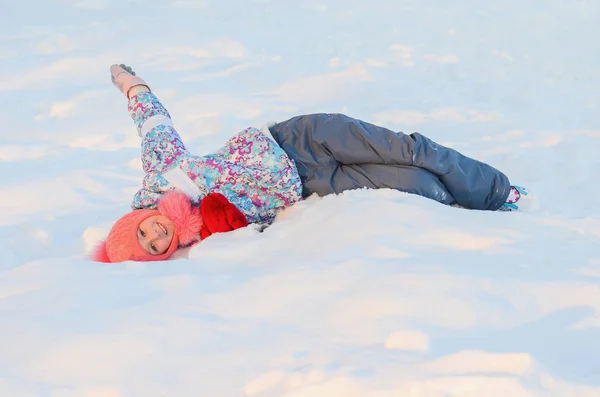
334, 153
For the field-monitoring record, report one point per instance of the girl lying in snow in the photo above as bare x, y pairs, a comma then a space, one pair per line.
260, 172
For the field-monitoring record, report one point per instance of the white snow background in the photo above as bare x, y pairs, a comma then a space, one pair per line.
366, 294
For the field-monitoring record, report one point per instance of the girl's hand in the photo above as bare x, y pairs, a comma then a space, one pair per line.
124, 78
128, 69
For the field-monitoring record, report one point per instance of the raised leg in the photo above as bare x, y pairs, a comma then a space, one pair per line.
319, 141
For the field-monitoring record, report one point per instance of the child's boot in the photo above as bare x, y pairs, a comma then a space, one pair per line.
518, 199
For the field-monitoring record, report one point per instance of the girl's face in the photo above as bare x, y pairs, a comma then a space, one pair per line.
155, 234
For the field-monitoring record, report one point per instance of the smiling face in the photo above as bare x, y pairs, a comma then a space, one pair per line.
155, 234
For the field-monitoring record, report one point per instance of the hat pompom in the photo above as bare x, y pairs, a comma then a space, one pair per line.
99, 253
185, 216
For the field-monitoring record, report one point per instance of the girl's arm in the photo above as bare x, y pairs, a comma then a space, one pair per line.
161, 144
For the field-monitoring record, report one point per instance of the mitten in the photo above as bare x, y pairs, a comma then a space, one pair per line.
124, 78
219, 215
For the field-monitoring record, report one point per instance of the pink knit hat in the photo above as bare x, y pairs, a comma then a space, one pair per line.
122, 242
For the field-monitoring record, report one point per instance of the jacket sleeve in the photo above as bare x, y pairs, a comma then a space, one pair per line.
161, 144
146, 198
161, 147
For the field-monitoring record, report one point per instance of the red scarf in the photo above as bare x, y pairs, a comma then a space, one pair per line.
219, 215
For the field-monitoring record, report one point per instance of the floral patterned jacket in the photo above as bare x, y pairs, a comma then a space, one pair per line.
251, 169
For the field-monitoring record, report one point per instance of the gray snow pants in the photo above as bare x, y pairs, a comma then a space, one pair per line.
334, 153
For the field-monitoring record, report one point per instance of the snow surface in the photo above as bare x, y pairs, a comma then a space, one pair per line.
367, 294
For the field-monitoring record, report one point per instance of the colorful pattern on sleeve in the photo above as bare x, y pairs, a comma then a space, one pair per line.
251, 170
